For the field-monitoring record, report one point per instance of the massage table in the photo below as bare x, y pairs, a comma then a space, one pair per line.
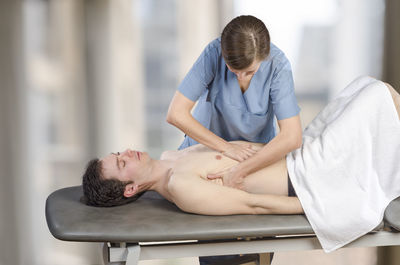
153, 228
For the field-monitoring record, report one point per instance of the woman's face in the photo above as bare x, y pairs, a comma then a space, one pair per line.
247, 72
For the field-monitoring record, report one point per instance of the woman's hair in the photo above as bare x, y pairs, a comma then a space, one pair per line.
102, 192
243, 40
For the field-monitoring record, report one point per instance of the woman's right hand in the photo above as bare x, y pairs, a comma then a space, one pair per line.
238, 152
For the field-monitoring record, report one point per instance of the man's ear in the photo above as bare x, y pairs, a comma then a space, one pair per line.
130, 190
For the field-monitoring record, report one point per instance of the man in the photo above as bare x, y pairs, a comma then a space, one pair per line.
181, 177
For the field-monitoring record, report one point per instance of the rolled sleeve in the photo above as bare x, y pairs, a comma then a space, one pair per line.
283, 98
201, 74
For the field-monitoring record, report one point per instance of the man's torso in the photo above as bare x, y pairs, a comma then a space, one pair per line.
198, 161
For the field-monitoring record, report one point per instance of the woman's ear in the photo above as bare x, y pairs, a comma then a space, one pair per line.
130, 190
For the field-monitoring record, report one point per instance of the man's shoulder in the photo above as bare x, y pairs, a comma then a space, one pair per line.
168, 155
177, 154
195, 148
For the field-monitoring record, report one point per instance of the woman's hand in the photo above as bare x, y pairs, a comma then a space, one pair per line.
230, 177
238, 152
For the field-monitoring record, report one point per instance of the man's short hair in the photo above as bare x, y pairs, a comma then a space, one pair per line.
103, 192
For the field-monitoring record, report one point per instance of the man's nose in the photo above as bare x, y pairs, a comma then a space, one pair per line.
127, 152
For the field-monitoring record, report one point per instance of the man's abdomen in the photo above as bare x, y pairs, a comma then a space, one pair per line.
270, 180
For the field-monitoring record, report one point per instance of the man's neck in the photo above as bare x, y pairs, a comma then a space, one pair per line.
159, 174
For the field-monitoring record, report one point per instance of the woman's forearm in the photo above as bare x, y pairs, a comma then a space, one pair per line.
288, 139
195, 130
179, 115
272, 152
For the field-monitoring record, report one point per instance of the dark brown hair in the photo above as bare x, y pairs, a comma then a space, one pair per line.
102, 192
243, 40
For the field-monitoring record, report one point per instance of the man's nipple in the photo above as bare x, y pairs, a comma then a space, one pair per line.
218, 157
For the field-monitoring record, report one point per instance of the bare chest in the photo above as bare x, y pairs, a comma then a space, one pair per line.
268, 180
203, 163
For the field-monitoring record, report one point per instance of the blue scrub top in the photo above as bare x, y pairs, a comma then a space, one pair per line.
231, 114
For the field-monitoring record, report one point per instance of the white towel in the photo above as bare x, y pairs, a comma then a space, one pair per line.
348, 168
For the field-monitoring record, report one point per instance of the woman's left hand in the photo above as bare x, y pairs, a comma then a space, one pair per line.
231, 177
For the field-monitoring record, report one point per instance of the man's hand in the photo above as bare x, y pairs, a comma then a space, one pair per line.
238, 152
231, 177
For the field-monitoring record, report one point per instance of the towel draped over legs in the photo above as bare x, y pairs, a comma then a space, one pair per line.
348, 168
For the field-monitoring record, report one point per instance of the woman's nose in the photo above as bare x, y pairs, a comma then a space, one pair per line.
240, 75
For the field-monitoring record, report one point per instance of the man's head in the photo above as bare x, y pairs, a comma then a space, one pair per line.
245, 43
115, 179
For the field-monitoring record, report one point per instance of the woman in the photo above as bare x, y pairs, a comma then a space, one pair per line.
241, 81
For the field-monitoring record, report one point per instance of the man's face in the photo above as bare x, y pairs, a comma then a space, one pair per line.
126, 166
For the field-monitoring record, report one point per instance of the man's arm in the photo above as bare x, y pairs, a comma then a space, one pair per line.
195, 195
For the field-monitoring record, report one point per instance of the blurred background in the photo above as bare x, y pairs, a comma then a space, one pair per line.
81, 78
